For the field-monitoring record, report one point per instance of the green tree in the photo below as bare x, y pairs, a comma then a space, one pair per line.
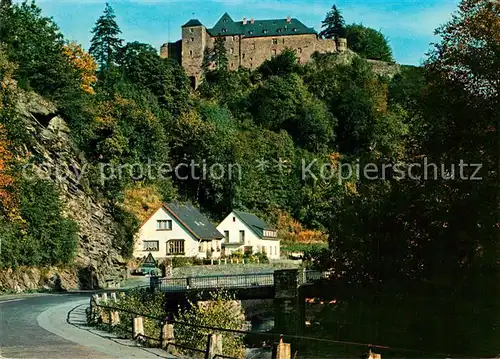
219, 56
106, 43
368, 43
142, 67
284, 63
334, 25
33, 42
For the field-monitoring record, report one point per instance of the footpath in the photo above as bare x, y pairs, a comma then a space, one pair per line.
69, 321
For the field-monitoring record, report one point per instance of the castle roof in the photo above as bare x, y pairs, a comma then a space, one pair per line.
192, 22
274, 27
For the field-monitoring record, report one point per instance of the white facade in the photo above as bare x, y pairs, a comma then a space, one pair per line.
239, 237
164, 236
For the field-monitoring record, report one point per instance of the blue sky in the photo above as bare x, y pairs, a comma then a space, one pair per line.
409, 24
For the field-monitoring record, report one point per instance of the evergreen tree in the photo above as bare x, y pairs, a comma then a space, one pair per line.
105, 43
220, 54
333, 25
5, 3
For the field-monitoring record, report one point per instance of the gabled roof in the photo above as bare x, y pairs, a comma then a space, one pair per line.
194, 221
274, 27
253, 222
192, 22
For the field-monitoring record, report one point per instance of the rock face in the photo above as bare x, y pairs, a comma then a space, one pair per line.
24, 279
98, 263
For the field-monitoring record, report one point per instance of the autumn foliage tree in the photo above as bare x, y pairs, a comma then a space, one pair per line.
84, 63
7, 198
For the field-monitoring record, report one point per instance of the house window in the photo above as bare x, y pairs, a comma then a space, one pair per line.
264, 250
234, 219
226, 234
248, 250
242, 236
175, 246
164, 225
275, 41
152, 246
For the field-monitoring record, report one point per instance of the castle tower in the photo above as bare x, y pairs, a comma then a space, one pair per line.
194, 41
341, 44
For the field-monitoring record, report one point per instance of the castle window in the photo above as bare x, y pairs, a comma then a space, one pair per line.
243, 56
274, 52
283, 41
191, 53
231, 50
253, 46
192, 39
299, 50
275, 41
191, 30
235, 38
232, 64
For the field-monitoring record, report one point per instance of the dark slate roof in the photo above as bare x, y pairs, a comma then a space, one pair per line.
192, 22
253, 222
194, 221
274, 27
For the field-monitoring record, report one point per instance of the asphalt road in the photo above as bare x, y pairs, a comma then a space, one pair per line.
22, 337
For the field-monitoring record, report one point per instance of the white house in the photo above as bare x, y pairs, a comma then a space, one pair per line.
249, 234
178, 230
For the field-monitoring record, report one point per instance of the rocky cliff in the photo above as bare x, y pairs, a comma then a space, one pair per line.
97, 262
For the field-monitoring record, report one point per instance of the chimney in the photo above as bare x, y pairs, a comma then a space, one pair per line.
244, 21
252, 20
288, 19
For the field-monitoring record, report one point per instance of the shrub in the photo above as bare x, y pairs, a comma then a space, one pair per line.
222, 311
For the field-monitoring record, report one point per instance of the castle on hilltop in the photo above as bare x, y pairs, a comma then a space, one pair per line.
248, 43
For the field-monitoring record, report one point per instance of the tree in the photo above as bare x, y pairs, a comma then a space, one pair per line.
220, 54
142, 67
33, 42
5, 3
105, 44
334, 25
368, 43
283, 64
84, 63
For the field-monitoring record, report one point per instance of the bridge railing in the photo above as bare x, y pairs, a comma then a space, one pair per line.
246, 280
214, 281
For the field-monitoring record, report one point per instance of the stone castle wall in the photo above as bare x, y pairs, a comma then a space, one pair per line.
243, 51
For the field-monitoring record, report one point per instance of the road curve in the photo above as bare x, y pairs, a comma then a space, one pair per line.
22, 337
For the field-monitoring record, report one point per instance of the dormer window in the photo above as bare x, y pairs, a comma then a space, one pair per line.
279, 30
250, 32
264, 31
224, 30
294, 29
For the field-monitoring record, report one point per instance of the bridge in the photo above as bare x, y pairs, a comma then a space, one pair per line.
285, 287
229, 281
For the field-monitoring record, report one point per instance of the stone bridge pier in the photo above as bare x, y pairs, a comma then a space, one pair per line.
289, 303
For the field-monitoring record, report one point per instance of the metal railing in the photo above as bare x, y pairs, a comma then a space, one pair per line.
214, 282
249, 280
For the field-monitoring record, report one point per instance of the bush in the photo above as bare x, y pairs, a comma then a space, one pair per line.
145, 302
222, 312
